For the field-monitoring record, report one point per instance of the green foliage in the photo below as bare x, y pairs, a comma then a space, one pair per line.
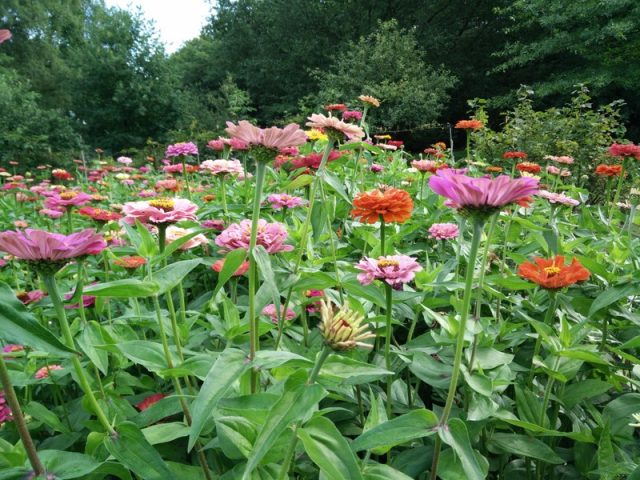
389, 65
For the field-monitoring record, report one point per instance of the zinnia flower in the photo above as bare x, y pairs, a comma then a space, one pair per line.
484, 193
562, 159
99, 215
159, 211
343, 329
216, 145
222, 167
443, 231
31, 297
124, 160
558, 198
270, 235
272, 138
428, 165
40, 245
375, 168
335, 127
174, 233
373, 101
552, 273
150, 400
64, 200
393, 269
87, 301
61, 174
242, 269
130, 262
270, 311
44, 371
528, 167
217, 225
469, 124
392, 204
5, 411
516, 154
313, 160
282, 200
183, 148
351, 116
4, 36
624, 150
608, 170
336, 107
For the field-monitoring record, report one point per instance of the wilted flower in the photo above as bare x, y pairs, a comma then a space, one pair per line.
270, 311
183, 148
443, 231
44, 371
282, 200
343, 329
552, 273
392, 204
159, 211
270, 235
395, 270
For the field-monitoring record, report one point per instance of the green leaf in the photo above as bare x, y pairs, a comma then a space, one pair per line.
299, 182
232, 262
171, 275
146, 353
90, 337
292, 406
606, 457
577, 392
347, 371
382, 472
585, 355
19, 325
229, 366
68, 464
126, 288
263, 261
236, 436
335, 183
130, 447
415, 424
523, 445
148, 246
612, 295
177, 243
456, 436
165, 432
44, 415
328, 449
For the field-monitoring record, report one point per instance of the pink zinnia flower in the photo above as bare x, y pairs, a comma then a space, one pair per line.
124, 160
222, 167
313, 159
183, 148
5, 411
427, 165
567, 160
87, 301
333, 124
31, 297
443, 231
242, 269
238, 145
351, 116
553, 170
44, 371
12, 347
270, 311
217, 145
289, 151
64, 200
174, 233
393, 269
273, 137
375, 168
270, 235
147, 193
558, 198
282, 200
150, 400
5, 35
625, 150
213, 224
49, 212
480, 193
39, 245
159, 211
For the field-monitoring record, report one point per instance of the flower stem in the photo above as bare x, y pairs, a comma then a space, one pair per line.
551, 309
52, 288
253, 272
18, 419
616, 196
186, 176
387, 343
382, 235
223, 193
478, 225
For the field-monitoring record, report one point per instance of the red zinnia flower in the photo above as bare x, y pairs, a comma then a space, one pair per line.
552, 273
625, 150
516, 154
131, 263
528, 167
150, 400
395, 143
336, 107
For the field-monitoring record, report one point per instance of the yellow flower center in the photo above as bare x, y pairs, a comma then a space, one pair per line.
388, 263
68, 195
552, 270
165, 204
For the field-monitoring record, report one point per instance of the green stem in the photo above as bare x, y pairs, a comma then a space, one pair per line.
18, 420
382, 235
185, 174
387, 343
478, 225
551, 309
253, 272
52, 288
223, 192
616, 196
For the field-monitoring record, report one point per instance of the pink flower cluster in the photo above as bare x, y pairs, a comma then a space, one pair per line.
5, 412
351, 116
625, 150
551, 170
184, 148
558, 198
270, 235
41, 245
44, 371
271, 312
562, 159
443, 231
222, 167
395, 270
282, 200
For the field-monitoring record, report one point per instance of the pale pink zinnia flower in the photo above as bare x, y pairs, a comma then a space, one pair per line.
64, 200
567, 160
217, 145
238, 145
333, 124
40, 245
375, 168
124, 160
51, 213
147, 193
425, 165
558, 198
174, 233
553, 170
183, 148
282, 200
443, 231
270, 311
395, 270
479, 193
44, 371
270, 235
273, 137
159, 211
5, 35
222, 167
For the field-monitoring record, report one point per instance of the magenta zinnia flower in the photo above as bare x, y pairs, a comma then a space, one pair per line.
222, 167
443, 231
270, 235
334, 125
393, 269
282, 200
272, 138
482, 193
39, 245
159, 211
64, 200
270, 311
183, 148
5, 411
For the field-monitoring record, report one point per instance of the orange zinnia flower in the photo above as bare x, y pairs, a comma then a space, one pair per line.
552, 273
528, 167
393, 204
609, 170
469, 124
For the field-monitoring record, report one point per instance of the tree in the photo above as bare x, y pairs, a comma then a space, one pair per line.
390, 65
